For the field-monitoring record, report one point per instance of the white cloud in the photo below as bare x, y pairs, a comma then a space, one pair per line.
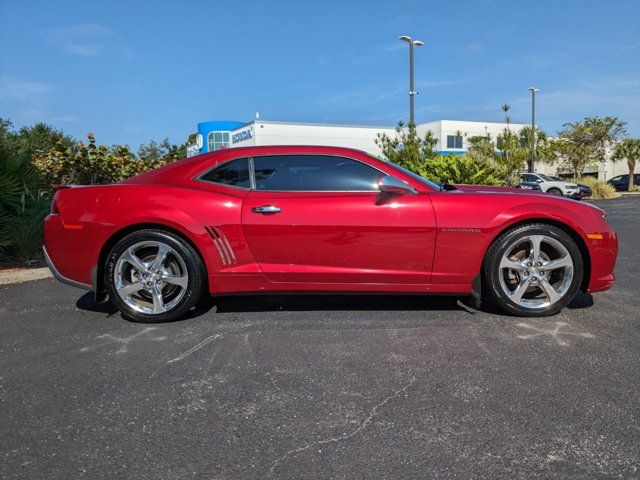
13, 89
28, 101
86, 39
614, 96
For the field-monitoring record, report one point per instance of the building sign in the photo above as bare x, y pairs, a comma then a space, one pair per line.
192, 150
241, 136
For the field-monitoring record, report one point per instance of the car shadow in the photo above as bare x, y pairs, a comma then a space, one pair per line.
87, 303
275, 303
581, 300
300, 303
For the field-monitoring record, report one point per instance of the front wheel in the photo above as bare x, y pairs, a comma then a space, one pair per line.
154, 276
533, 270
554, 191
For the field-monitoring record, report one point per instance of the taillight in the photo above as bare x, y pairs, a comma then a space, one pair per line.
54, 208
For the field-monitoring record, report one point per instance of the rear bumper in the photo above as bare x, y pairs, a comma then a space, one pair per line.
61, 277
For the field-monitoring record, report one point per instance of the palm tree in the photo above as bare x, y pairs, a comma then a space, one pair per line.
505, 108
628, 149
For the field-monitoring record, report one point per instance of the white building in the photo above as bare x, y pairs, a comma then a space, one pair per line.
451, 135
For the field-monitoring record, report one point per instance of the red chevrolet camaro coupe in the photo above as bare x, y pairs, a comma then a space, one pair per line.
320, 219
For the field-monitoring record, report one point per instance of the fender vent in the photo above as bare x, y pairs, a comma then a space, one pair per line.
222, 245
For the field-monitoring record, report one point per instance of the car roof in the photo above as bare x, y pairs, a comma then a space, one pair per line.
183, 170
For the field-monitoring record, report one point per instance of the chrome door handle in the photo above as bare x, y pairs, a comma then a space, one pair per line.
266, 209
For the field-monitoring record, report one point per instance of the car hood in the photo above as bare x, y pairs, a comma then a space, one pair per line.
494, 189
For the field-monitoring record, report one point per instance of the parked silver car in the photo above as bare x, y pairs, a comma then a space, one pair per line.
553, 185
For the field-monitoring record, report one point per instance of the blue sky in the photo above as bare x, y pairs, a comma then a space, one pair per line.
134, 71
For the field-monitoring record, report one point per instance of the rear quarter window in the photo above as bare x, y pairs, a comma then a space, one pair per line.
234, 173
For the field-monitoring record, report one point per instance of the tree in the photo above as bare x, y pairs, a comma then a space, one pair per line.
482, 148
163, 151
512, 156
629, 150
92, 164
581, 144
406, 148
508, 153
543, 152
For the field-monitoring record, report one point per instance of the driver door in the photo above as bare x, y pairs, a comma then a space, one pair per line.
322, 219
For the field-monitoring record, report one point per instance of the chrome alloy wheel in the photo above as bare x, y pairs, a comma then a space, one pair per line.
536, 271
151, 277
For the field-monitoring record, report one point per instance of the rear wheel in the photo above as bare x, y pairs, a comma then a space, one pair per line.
154, 276
533, 270
554, 191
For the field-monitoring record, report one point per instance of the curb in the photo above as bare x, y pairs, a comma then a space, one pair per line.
26, 275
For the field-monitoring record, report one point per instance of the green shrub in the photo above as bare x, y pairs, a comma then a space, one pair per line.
599, 190
24, 196
459, 169
24, 202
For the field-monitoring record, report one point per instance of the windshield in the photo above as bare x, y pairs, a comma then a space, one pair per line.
545, 178
422, 180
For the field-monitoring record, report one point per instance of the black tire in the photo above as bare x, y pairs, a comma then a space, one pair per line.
492, 289
194, 268
554, 191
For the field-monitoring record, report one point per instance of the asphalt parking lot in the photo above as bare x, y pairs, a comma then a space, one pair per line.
324, 387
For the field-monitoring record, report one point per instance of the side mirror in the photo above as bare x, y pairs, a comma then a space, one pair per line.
393, 186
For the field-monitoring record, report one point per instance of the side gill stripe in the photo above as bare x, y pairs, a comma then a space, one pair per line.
222, 245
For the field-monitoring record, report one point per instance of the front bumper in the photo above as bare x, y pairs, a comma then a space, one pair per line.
603, 254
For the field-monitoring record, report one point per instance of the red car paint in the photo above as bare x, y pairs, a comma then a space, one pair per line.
433, 241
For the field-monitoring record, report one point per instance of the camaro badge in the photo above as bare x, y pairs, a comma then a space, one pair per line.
460, 230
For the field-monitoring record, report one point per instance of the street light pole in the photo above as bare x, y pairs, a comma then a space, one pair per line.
533, 91
412, 93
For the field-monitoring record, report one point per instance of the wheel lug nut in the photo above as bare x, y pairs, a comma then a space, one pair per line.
526, 274
529, 264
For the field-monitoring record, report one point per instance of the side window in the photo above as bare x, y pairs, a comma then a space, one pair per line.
234, 173
530, 178
314, 173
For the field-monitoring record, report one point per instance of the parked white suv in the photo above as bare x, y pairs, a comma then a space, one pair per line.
551, 185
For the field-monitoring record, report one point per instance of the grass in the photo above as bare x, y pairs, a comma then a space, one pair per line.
599, 189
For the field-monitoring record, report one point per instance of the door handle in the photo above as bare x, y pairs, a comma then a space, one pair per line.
266, 209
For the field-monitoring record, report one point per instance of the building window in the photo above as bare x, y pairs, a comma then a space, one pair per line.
217, 140
454, 141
